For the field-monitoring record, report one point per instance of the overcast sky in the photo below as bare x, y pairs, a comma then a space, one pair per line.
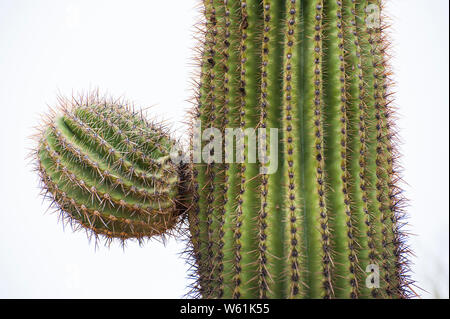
143, 50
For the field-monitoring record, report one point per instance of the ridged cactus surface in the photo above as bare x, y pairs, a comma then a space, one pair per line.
108, 170
316, 227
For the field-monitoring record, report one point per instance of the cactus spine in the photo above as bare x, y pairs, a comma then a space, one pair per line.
108, 170
317, 71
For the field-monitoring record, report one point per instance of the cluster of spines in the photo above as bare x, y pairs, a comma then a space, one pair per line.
340, 204
97, 180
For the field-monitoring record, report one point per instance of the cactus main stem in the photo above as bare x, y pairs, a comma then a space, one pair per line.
316, 71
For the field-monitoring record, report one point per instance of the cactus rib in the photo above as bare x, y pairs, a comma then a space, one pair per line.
99, 178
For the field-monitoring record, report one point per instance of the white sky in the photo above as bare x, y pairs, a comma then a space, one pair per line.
142, 50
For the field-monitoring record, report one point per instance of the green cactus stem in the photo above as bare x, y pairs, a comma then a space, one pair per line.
326, 222
316, 70
108, 170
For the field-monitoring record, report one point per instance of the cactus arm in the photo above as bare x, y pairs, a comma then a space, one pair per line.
94, 186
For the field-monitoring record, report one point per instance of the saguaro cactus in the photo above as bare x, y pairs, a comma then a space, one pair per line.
327, 223
324, 222
108, 169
